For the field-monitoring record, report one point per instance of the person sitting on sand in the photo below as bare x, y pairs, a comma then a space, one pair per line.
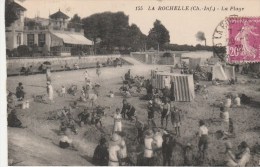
230, 159
244, 154
20, 92
13, 121
100, 156
10, 101
128, 110
188, 155
228, 102
237, 101
65, 142
84, 117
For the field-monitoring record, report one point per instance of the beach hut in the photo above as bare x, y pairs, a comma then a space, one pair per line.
183, 84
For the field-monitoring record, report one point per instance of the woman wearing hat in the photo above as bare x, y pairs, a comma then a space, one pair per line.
148, 150
114, 150
230, 159
50, 91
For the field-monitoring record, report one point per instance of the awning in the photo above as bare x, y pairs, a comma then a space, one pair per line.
72, 38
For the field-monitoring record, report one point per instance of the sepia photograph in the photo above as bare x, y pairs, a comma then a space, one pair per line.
131, 82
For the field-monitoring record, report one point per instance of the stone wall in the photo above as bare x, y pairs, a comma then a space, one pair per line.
15, 64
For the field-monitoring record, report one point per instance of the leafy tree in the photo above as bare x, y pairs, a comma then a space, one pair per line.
75, 22
112, 31
158, 35
136, 39
10, 13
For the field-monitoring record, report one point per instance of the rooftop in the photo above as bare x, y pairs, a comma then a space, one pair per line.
59, 14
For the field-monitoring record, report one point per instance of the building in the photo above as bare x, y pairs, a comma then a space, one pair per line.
50, 36
14, 33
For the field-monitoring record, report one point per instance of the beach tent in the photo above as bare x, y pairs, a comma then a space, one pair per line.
193, 63
183, 85
218, 72
230, 72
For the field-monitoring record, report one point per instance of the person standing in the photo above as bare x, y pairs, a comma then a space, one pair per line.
167, 150
203, 139
237, 101
48, 74
20, 92
151, 110
176, 119
86, 75
167, 82
50, 91
117, 121
125, 161
148, 150
114, 150
165, 112
100, 157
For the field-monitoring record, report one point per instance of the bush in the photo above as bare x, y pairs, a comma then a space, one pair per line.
14, 53
8, 53
23, 51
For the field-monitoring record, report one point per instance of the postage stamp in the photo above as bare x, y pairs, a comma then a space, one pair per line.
243, 39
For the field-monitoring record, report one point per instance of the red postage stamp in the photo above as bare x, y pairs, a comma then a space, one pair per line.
243, 39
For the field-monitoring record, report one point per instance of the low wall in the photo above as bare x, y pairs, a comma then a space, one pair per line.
26, 62
14, 65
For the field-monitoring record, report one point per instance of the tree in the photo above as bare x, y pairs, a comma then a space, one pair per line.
10, 13
158, 34
75, 22
113, 31
136, 39
201, 37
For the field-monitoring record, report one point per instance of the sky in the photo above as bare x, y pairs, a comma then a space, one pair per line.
182, 25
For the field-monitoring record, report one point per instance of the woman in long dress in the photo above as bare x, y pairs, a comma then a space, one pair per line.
50, 91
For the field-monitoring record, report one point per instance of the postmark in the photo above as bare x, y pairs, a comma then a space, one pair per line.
220, 39
243, 40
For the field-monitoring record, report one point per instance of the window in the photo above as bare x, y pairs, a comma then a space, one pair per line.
30, 39
18, 39
41, 40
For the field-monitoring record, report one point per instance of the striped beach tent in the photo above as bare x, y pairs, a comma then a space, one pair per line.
183, 85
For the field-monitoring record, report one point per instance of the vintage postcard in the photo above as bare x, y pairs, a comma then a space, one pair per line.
130, 83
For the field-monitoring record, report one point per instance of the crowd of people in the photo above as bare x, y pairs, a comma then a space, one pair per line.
156, 142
